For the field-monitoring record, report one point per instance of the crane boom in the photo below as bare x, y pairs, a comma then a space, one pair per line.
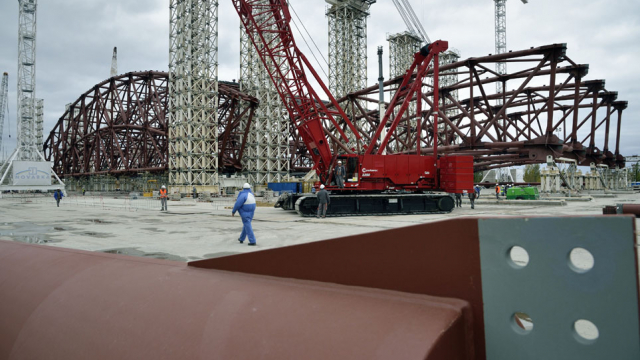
411, 19
367, 170
284, 63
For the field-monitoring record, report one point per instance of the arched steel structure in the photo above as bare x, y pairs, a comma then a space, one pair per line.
551, 110
119, 127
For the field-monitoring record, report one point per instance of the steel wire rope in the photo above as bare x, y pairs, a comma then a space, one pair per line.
305, 41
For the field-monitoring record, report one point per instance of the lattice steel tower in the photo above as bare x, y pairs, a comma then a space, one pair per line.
193, 95
27, 81
348, 47
501, 39
39, 124
4, 99
402, 47
266, 157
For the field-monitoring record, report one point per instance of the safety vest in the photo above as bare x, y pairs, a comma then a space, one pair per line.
497, 189
163, 193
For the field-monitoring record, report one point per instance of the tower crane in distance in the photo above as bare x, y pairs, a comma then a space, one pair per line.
501, 39
376, 184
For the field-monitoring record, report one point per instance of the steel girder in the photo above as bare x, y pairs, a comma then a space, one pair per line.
119, 127
552, 110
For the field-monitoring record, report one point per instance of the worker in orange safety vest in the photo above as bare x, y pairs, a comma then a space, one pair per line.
497, 191
163, 198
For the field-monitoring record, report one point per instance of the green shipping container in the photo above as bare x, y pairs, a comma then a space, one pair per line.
523, 193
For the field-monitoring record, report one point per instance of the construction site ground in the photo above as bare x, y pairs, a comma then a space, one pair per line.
192, 230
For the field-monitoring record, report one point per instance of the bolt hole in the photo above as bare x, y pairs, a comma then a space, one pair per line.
586, 332
522, 323
581, 260
518, 257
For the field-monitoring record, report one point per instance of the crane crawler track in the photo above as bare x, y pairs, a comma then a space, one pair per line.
377, 204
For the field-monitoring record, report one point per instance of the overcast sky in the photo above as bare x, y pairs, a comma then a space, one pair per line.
76, 38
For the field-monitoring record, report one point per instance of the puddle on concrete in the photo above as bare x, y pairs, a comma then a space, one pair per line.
95, 221
219, 254
136, 252
94, 234
27, 232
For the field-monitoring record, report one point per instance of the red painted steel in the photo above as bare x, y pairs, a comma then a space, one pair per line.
69, 304
413, 259
267, 25
119, 127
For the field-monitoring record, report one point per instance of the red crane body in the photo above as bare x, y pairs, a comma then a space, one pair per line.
368, 169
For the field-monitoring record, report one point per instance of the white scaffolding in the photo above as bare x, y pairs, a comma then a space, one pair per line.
4, 101
27, 164
27, 81
348, 49
193, 95
266, 156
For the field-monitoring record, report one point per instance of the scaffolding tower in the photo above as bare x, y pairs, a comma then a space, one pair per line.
4, 99
193, 95
402, 47
266, 157
501, 41
26, 146
348, 48
39, 124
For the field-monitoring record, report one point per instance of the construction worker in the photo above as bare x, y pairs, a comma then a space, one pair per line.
472, 198
340, 173
163, 198
58, 196
323, 201
477, 190
246, 206
195, 193
497, 191
458, 199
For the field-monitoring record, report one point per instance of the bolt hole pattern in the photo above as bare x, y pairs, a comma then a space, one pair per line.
586, 332
581, 260
518, 257
522, 323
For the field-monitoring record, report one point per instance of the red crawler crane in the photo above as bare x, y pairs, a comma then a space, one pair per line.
375, 183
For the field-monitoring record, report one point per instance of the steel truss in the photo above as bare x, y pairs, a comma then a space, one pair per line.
27, 81
119, 127
267, 153
348, 47
553, 110
193, 89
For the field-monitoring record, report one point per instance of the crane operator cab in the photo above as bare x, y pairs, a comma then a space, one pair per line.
351, 165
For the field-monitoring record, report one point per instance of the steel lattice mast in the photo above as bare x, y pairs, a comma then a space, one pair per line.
27, 81
4, 95
266, 157
39, 124
501, 40
193, 95
348, 47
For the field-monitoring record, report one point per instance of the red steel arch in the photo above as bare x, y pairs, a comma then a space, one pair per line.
119, 127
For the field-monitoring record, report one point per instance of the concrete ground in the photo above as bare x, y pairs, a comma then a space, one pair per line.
192, 231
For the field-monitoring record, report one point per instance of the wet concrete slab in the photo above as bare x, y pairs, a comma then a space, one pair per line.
205, 230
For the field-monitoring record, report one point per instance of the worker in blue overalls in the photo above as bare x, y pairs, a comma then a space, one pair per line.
246, 206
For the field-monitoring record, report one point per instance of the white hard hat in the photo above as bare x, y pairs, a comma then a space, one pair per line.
321, 186
339, 161
164, 187
246, 186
